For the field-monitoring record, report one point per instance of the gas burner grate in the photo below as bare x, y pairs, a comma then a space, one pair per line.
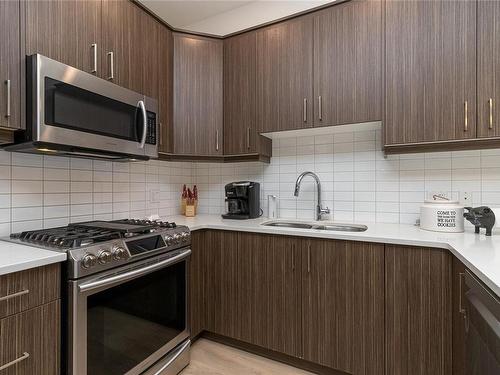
154, 223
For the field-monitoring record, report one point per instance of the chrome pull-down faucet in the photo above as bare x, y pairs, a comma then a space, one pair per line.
319, 210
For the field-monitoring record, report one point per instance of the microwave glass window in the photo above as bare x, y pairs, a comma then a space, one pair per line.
129, 322
71, 107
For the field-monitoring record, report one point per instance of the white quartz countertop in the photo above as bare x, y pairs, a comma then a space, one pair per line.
479, 253
16, 257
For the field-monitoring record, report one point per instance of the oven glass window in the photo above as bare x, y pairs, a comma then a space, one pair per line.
129, 322
71, 107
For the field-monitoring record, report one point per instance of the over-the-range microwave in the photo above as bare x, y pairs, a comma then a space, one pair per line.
71, 112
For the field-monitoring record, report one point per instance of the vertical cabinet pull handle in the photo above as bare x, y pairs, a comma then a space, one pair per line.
111, 66
308, 258
94, 48
466, 114
320, 108
304, 110
160, 133
12, 363
461, 309
248, 138
7, 86
490, 121
217, 140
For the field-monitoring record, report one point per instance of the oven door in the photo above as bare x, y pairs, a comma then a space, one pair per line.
124, 321
73, 108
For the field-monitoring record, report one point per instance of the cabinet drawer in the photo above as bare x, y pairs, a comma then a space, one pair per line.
29, 341
24, 290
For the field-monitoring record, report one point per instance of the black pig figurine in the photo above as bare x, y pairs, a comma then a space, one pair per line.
481, 217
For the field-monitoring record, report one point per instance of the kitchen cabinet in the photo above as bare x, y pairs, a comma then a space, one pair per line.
165, 89
31, 338
348, 52
197, 264
198, 96
285, 75
269, 285
418, 311
240, 122
488, 68
343, 305
66, 31
459, 318
430, 72
10, 67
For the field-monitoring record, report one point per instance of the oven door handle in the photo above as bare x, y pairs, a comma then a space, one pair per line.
126, 276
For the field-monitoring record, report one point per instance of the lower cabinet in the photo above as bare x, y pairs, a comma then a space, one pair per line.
418, 308
343, 305
30, 341
350, 307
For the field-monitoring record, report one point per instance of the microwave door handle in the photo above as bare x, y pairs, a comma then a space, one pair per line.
129, 275
144, 122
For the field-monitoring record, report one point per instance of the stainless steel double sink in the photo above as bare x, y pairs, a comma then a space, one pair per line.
316, 226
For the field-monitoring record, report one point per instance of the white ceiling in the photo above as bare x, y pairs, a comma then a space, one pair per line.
225, 17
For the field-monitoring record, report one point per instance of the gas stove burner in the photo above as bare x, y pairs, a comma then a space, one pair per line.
154, 223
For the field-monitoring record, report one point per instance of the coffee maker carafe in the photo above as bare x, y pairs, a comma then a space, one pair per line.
242, 200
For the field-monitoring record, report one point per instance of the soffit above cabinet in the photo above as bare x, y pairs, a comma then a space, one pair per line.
221, 18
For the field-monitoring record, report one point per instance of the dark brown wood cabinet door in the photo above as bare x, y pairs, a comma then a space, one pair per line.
34, 337
240, 130
150, 54
348, 63
123, 40
488, 68
221, 282
285, 75
269, 288
165, 89
65, 30
459, 318
430, 71
418, 308
197, 269
10, 64
198, 95
343, 305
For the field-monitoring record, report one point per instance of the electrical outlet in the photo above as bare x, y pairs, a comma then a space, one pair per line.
154, 196
465, 198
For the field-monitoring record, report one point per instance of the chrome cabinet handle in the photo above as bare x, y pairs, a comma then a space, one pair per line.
12, 363
248, 138
490, 103
466, 122
160, 133
320, 108
308, 258
217, 140
14, 295
7, 84
111, 66
141, 105
461, 309
94, 48
304, 110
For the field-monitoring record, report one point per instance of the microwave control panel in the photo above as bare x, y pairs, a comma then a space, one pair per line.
151, 129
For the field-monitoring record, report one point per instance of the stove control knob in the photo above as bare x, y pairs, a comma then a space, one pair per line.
119, 253
177, 238
89, 260
104, 257
169, 240
185, 236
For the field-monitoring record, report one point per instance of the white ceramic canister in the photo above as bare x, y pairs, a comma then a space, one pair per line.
441, 215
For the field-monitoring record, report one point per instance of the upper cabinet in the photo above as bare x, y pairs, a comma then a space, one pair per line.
430, 73
240, 118
488, 69
284, 75
68, 31
10, 65
348, 63
165, 88
198, 96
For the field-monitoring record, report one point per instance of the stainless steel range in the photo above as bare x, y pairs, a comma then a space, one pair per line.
126, 289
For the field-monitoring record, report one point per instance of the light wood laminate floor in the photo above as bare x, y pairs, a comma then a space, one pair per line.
211, 358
